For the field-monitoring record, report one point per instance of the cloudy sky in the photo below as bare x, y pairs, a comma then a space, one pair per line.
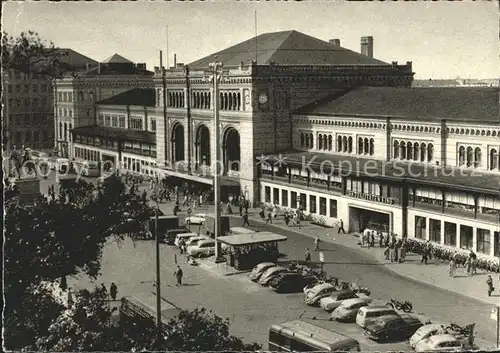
443, 39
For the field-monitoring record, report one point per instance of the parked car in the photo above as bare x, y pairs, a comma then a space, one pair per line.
289, 282
270, 273
170, 236
435, 329
185, 236
195, 240
259, 269
204, 247
348, 310
371, 313
316, 293
336, 298
198, 218
440, 343
392, 327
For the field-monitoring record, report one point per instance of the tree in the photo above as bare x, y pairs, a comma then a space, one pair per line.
48, 240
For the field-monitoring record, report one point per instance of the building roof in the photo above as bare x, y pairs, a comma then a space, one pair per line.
453, 103
117, 59
107, 69
252, 238
416, 173
144, 97
287, 48
116, 134
73, 58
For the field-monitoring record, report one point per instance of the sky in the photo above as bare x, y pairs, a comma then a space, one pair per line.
442, 39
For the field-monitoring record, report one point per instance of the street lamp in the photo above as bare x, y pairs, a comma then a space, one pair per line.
216, 68
157, 255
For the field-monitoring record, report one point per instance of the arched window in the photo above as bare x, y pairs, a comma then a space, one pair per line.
416, 151
461, 156
70, 128
360, 145
339, 143
366, 146
430, 152
307, 141
493, 159
402, 149
238, 99
395, 152
423, 152
344, 144
470, 156
372, 147
221, 101
409, 151
60, 131
65, 132
311, 138
230, 102
320, 142
330, 143
209, 97
477, 157
302, 139
349, 143
325, 142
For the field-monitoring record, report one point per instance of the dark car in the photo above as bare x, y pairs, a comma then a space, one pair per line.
170, 235
290, 282
392, 328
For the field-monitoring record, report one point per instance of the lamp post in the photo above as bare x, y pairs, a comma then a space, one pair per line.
157, 258
216, 68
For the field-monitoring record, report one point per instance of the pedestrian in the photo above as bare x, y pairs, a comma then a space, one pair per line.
241, 208
372, 240
104, 289
391, 251
308, 256
468, 264
361, 239
287, 219
151, 184
424, 256
341, 227
294, 219
386, 252
298, 220
380, 239
178, 276
489, 282
245, 219
269, 218
113, 290
247, 206
317, 240
453, 267
404, 246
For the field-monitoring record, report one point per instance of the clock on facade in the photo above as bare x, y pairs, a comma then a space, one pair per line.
263, 98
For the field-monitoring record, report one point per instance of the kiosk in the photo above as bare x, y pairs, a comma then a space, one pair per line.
247, 250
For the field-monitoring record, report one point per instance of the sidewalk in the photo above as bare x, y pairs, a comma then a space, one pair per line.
434, 273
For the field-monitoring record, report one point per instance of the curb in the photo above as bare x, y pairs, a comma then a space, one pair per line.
387, 267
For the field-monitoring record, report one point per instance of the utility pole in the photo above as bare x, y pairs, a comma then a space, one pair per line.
216, 74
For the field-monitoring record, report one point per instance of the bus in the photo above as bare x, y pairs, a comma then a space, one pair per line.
86, 168
144, 305
301, 336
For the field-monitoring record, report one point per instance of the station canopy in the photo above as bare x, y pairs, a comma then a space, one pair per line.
251, 239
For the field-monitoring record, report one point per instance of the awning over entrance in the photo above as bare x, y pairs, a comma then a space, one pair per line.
251, 239
205, 179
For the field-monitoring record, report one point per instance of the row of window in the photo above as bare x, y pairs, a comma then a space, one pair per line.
466, 239
64, 112
28, 137
366, 145
86, 154
413, 151
176, 99
64, 131
295, 201
201, 100
138, 166
43, 88
67, 97
469, 156
494, 162
18, 75
28, 102
29, 120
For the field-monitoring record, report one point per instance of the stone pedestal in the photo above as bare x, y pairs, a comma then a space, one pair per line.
29, 188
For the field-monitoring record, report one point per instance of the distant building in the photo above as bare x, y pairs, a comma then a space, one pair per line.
459, 82
28, 114
76, 94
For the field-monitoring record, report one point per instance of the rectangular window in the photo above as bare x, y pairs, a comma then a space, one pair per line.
136, 123
65, 96
59, 96
276, 196
114, 121
121, 121
420, 227
107, 120
293, 199
284, 198
303, 202
322, 206
70, 97
435, 230
483, 241
312, 204
153, 124
450, 234
466, 237
366, 187
267, 194
375, 189
70, 112
333, 208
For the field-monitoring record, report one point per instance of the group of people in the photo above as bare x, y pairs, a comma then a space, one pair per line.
113, 291
470, 264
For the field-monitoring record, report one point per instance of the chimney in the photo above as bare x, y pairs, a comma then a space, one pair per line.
367, 46
98, 68
175, 60
335, 41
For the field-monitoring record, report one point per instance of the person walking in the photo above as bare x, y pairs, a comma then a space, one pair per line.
298, 220
245, 219
182, 244
104, 289
489, 282
307, 256
424, 255
341, 227
113, 291
178, 276
269, 218
241, 208
380, 240
453, 267
317, 240
372, 239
